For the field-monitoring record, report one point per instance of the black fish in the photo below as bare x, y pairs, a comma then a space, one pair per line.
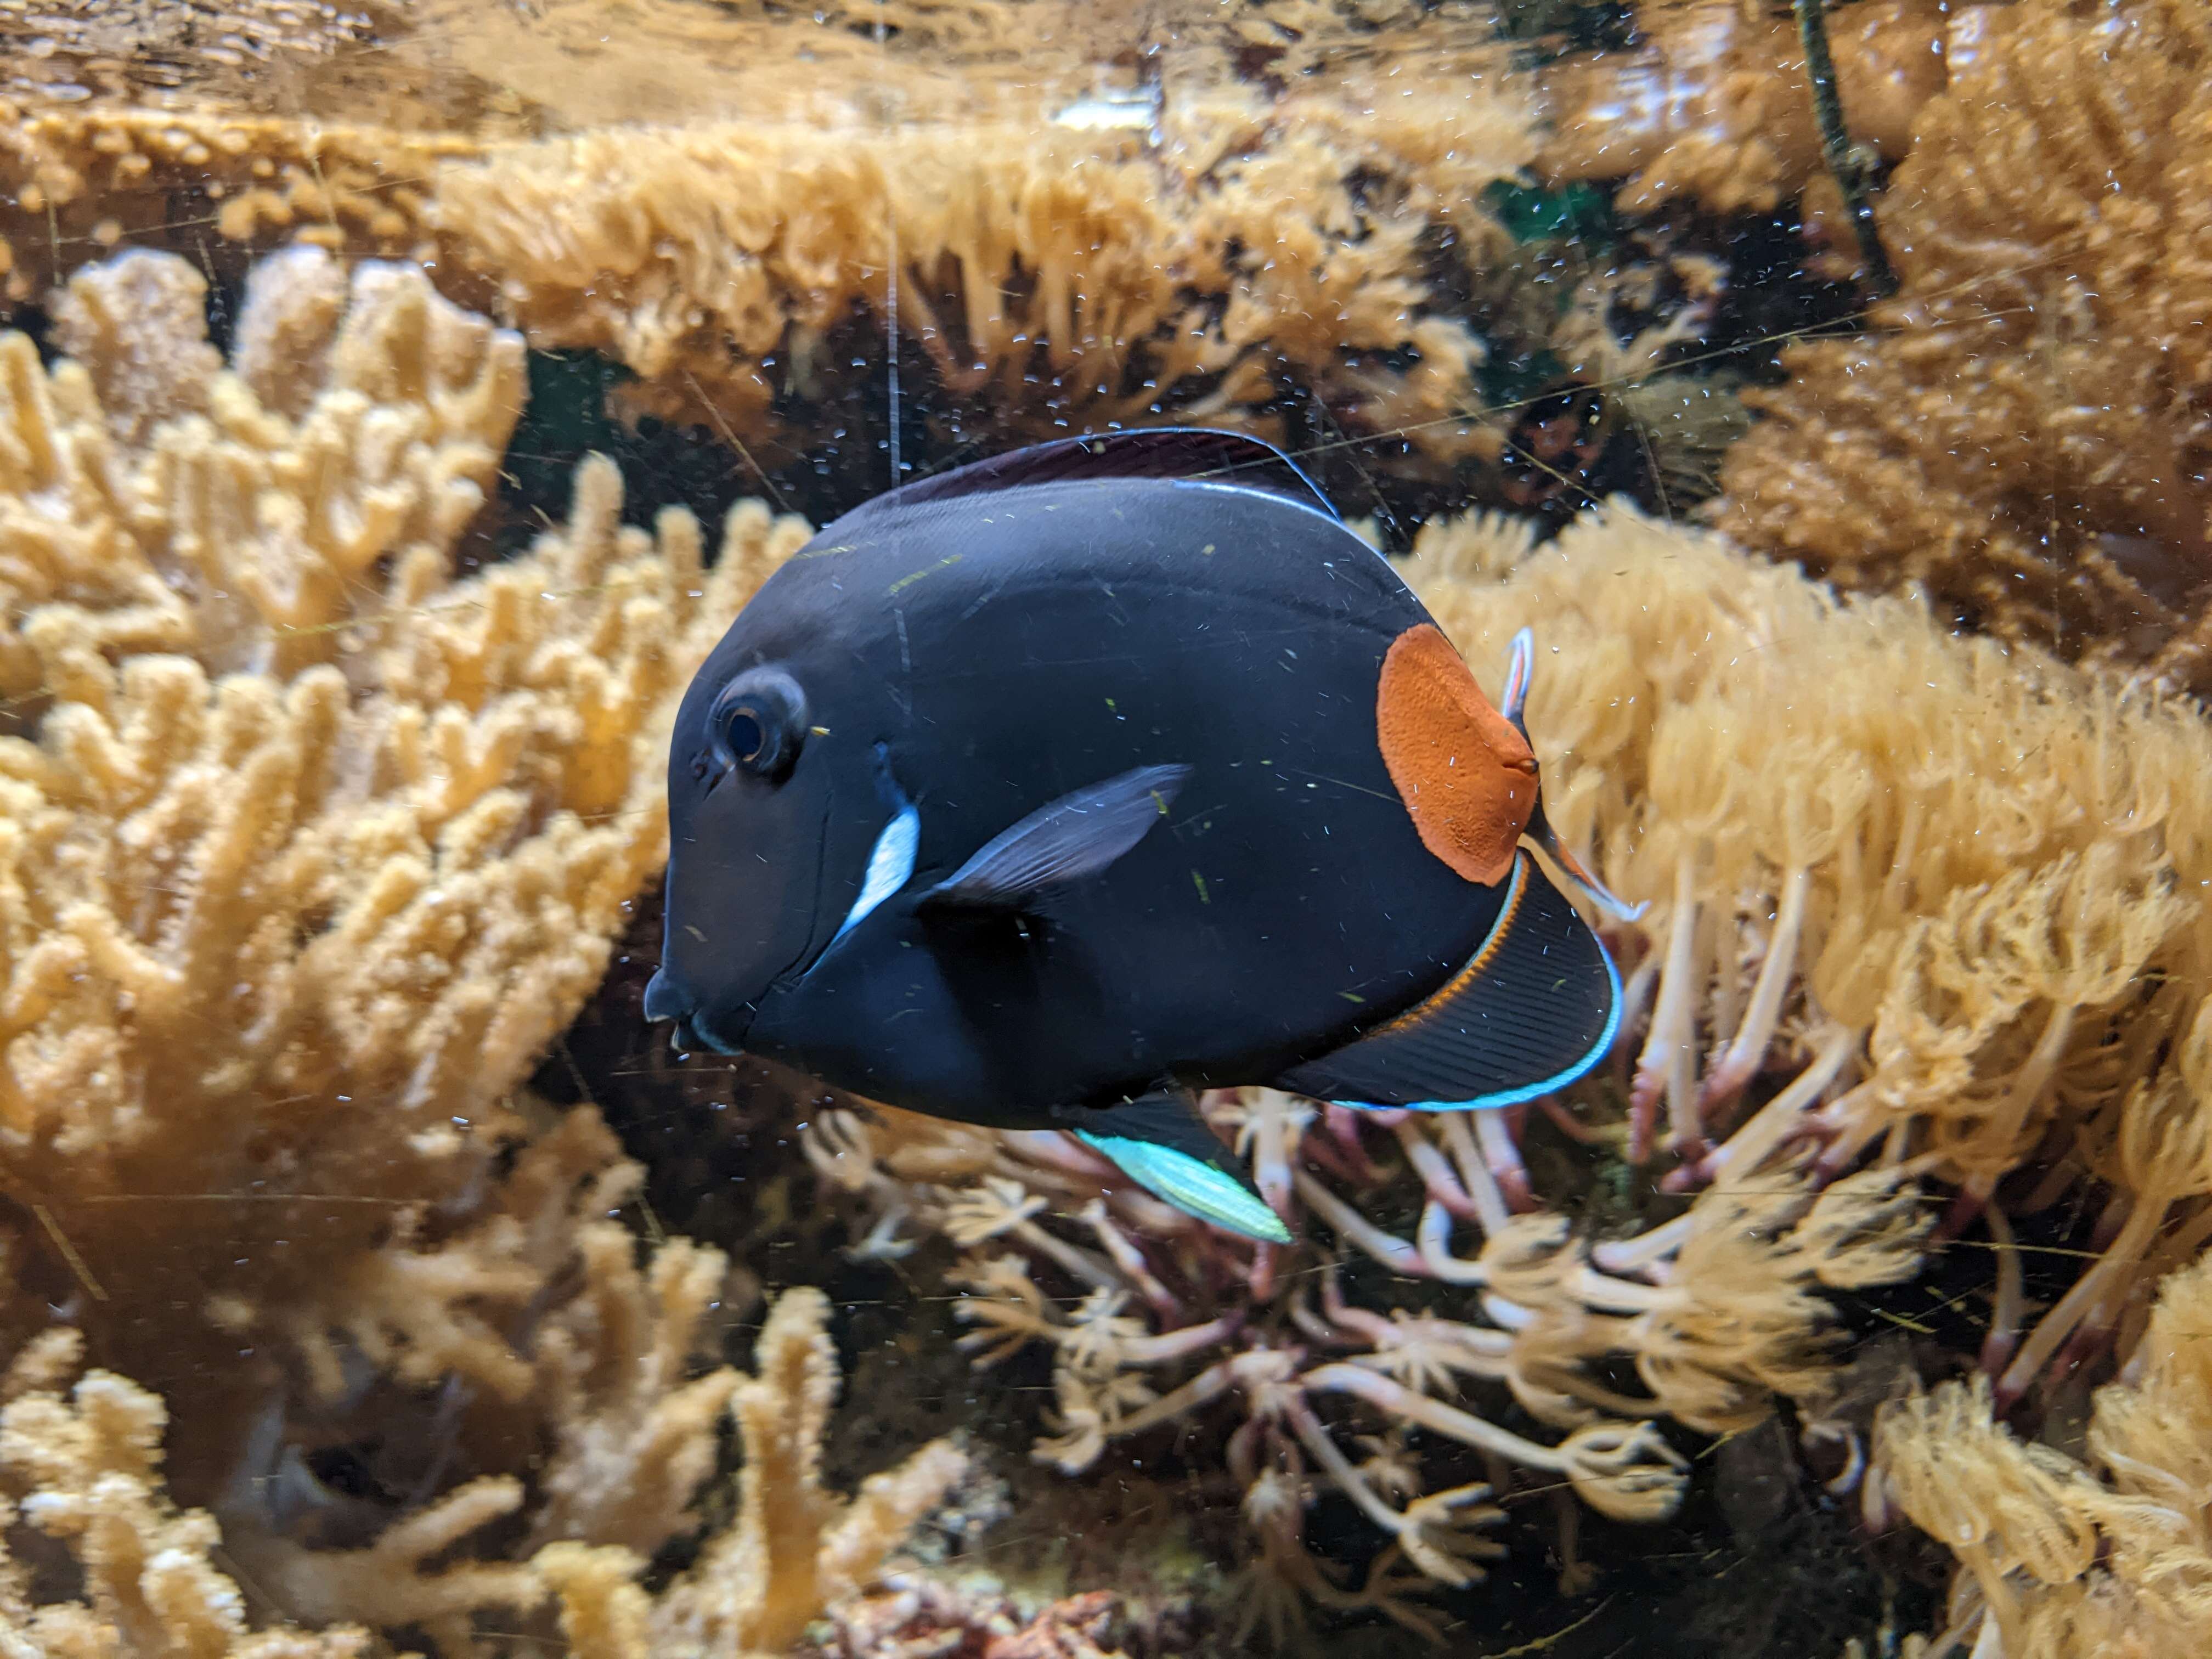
1041, 793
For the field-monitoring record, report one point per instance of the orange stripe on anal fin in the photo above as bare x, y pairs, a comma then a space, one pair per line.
1466, 774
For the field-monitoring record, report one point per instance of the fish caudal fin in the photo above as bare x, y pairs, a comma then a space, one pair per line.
1520, 669
1160, 1142
1539, 830
1533, 1010
1520, 672
1079, 835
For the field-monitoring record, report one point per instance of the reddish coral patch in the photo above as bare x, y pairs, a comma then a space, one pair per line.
1466, 774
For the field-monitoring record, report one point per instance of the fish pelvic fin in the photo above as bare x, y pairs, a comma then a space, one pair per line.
1079, 835
1160, 1142
1534, 1008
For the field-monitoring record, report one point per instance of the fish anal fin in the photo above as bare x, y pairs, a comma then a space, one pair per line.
1530, 1011
1079, 835
1160, 1142
1465, 772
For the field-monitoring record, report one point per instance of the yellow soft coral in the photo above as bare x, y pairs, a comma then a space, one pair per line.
1045, 271
2114, 1556
2022, 432
315, 849
78, 179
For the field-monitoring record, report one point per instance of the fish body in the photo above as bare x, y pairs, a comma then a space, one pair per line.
1041, 793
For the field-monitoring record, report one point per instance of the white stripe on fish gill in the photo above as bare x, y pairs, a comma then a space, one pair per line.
891, 866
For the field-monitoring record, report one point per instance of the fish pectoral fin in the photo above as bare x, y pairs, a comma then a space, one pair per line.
1530, 1011
1160, 1142
1079, 834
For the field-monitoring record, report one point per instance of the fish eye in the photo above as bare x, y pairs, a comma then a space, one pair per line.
744, 735
759, 722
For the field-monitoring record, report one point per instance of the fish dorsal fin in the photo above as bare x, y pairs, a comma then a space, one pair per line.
1079, 834
1191, 454
1160, 1142
1533, 1009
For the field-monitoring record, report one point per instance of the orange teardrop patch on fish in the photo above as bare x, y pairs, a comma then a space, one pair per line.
1466, 774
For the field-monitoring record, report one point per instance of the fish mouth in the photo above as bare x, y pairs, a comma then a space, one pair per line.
664, 1001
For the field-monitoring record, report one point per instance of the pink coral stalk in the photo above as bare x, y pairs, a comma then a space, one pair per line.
2095, 1332
1050, 1148
1261, 1281
1495, 1131
2011, 1297
1747, 1054
1434, 1169
1435, 1237
1354, 1228
1474, 1173
2043, 1343
1785, 1116
1131, 1261
1178, 1345
1625, 1471
1257, 1368
1345, 1126
1667, 1066
1562, 1117
1271, 1128
1147, 1215
1646, 1253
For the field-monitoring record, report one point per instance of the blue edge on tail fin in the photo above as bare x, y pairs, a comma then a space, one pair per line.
1526, 1091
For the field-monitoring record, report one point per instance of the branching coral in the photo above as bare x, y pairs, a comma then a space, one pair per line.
586, 1366
2022, 434
76, 181
82, 1469
314, 848
1914, 899
81, 1466
795, 1548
